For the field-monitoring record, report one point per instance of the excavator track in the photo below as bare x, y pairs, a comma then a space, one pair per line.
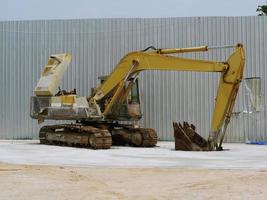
137, 137
149, 137
76, 135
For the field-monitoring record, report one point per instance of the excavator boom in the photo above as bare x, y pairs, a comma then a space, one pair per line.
231, 76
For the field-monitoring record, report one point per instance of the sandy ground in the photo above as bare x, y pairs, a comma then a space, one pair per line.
21, 182
29, 170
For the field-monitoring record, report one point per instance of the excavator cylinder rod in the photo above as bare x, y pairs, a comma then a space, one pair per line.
221, 47
182, 50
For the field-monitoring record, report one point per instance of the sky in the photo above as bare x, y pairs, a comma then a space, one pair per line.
76, 9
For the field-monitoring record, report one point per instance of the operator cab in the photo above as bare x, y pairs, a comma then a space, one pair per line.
128, 107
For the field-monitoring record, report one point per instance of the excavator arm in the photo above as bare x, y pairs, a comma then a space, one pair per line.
158, 59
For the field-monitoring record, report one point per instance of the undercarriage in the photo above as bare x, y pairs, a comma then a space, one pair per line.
97, 135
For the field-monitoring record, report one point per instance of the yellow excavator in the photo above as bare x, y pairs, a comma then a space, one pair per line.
99, 119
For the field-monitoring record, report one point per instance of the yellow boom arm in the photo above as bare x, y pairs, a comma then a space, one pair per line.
134, 62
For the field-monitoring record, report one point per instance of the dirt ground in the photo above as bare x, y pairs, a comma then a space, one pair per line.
19, 182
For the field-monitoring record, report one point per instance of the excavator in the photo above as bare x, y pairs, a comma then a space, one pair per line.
107, 117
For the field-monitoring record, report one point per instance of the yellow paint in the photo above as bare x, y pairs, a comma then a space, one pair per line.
231, 75
68, 100
64, 100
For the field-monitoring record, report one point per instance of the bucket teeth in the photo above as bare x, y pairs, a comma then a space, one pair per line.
187, 139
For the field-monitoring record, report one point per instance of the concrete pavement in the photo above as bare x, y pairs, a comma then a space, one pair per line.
236, 156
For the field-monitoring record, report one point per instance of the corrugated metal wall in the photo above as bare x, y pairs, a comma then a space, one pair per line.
98, 44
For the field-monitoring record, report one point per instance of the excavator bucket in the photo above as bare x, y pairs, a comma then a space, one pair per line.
186, 138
